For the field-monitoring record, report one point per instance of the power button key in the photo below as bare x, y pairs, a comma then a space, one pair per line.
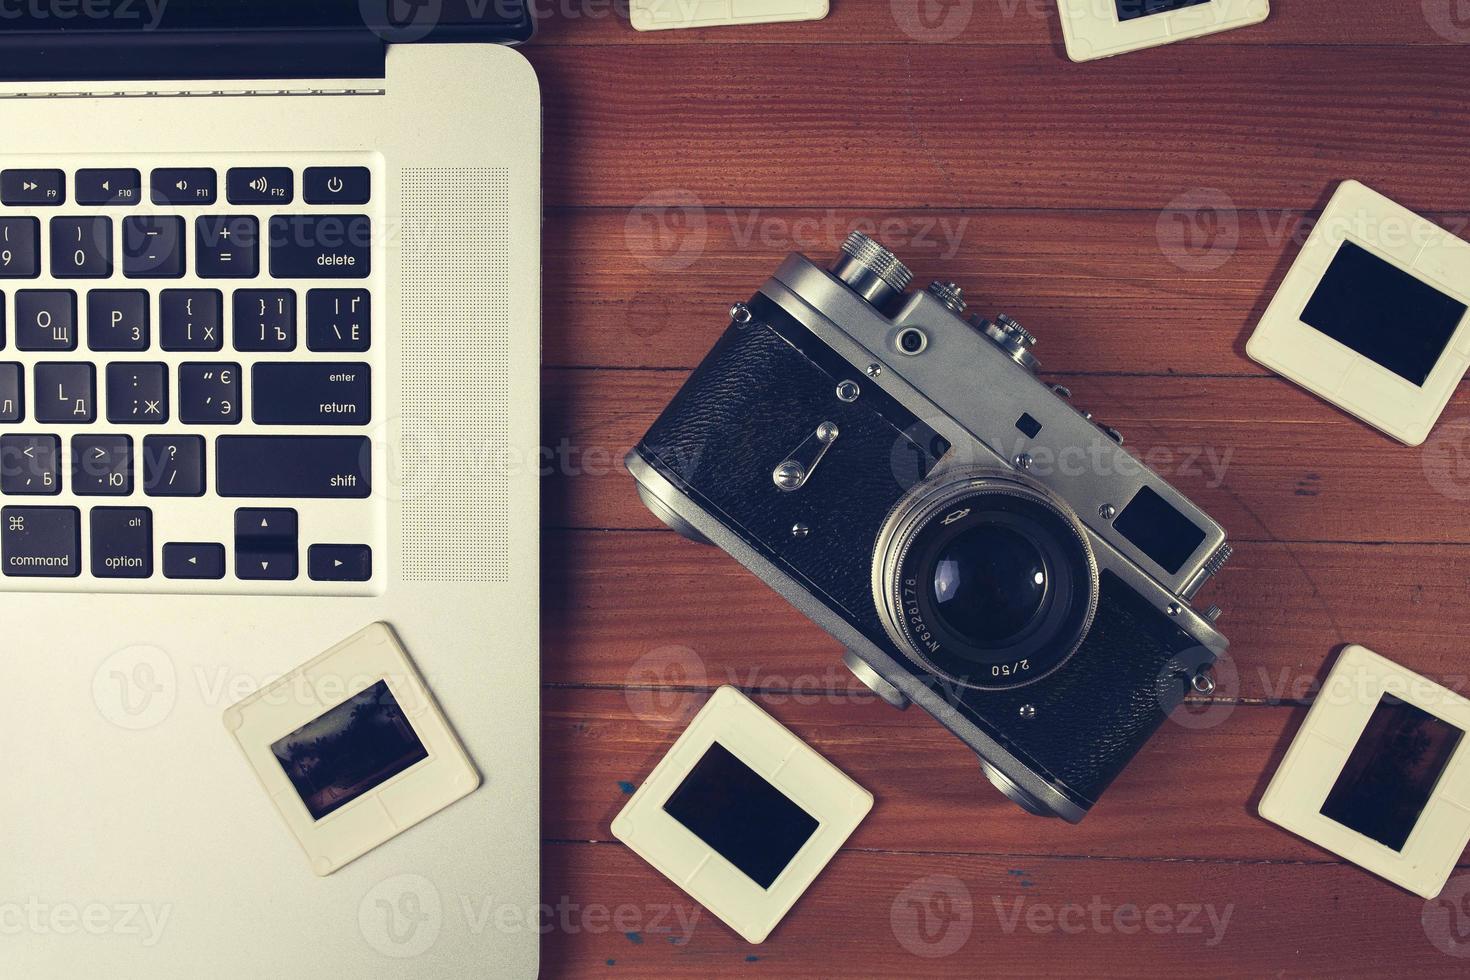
337, 185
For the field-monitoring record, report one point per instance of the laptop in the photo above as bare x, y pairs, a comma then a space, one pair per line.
269, 376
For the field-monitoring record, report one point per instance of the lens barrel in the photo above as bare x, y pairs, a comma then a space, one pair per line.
985, 579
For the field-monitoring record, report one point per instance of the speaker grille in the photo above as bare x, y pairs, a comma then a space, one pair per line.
455, 332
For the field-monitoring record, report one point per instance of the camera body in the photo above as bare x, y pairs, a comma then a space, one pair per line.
979, 546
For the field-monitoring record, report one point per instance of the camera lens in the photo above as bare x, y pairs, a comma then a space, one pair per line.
985, 579
989, 583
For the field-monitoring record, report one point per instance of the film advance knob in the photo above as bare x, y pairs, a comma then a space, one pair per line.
871, 271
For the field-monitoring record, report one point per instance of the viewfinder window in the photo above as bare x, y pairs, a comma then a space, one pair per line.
1158, 530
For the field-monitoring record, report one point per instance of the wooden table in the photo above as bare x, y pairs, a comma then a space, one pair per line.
1137, 214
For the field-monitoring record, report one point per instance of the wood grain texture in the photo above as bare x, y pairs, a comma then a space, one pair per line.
1137, 214
930, 127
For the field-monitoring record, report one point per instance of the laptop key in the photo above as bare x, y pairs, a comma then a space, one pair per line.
30, 465
22, 188
227, 247
153, 247
265, 320
265, 543
46, 319
191, 319
339, 562
81, 248
259, 185
12, 392
203, 559
337, 185
109, 188
173, 466
321, 246
184, 185
209, 394
102, 465
137, 393
40, 542
117, 320
122, 542
339, 320
294, 466
20, 248
66, 393
311, 393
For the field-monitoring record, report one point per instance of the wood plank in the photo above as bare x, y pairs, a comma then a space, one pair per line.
1018, 127
612, 599
1138, 292
1264, 458
995, 22
997, 916
931, 794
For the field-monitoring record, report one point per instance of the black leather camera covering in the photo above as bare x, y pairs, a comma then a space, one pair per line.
755, 398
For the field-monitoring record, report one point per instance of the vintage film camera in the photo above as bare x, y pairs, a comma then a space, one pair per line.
982, 548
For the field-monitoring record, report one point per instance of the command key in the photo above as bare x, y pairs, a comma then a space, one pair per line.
40, 541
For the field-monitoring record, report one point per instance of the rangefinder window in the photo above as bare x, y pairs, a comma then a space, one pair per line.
1383, 313
1392, 772
1158, 530
1134, 9
751, 823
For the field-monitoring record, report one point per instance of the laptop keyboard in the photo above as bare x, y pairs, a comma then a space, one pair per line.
190, 375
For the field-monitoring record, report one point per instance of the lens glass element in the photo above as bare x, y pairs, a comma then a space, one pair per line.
989, 583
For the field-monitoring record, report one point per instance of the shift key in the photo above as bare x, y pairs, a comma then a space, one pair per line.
321, 246
311, 393
294, 466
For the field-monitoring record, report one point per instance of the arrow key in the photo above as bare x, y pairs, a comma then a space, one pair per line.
265, 543
193, 560
339, 562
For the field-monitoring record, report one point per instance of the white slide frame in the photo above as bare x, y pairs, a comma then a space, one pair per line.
1338, 374
1092, 29
1315, 760
836, 802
